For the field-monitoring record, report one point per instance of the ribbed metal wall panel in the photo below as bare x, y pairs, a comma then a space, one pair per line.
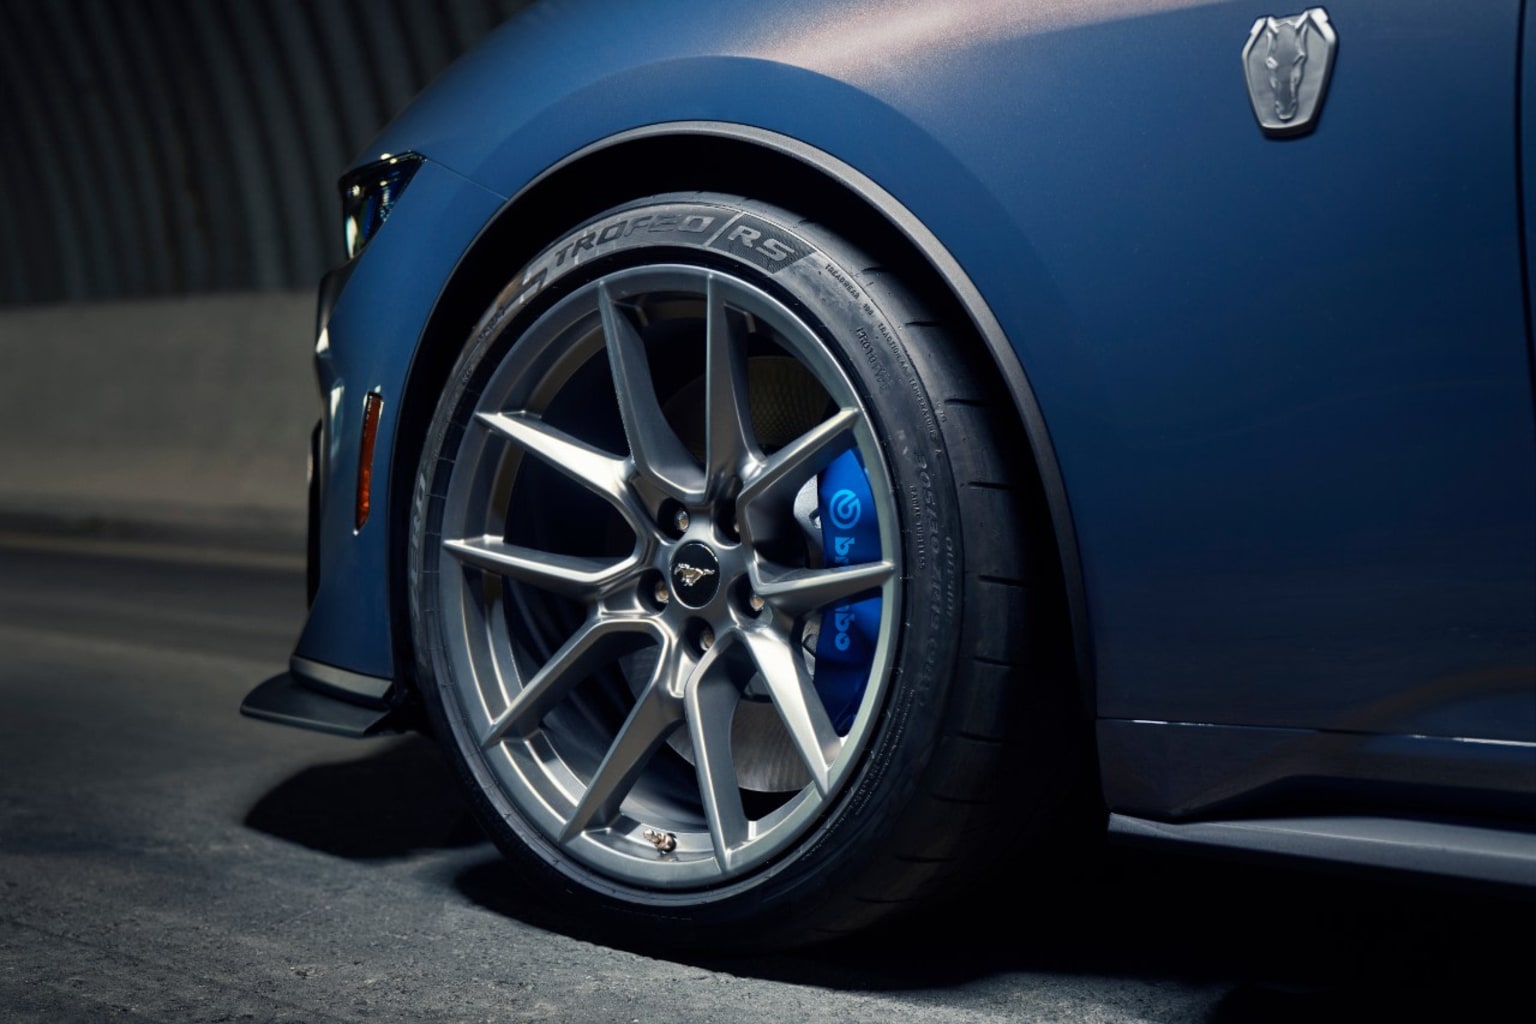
155, 147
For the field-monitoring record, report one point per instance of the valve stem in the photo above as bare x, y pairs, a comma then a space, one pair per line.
665, 842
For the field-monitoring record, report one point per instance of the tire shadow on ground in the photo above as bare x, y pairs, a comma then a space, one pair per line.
1286, 943
395, 802
1294, 943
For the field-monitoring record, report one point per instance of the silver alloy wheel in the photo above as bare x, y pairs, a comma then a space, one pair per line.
627, 590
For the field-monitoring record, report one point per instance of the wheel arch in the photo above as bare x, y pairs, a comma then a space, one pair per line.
722, 157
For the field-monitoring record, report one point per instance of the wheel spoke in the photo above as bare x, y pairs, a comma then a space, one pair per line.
659, 455
727, 410
798, 704
598, 471
788, 469
650, 722
710, 704
591, 646
804, 590
570, 575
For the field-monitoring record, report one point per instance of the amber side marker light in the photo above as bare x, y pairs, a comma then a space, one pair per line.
372, 406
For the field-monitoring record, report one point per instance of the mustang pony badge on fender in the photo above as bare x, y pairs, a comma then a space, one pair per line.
1288, 62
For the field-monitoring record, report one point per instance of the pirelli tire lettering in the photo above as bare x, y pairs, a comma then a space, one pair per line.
767, 246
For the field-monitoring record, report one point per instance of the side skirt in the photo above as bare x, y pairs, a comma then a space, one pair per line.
1499, 856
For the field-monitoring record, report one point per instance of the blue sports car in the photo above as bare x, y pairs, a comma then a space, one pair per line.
797, 456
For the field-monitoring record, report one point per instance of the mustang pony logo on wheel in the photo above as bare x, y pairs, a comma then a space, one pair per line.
1288, 62
690, 574
697, 571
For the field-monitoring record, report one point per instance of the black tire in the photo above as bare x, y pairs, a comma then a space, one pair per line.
952, 739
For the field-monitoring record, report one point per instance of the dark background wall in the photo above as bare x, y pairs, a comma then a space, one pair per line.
167, 147
167, 205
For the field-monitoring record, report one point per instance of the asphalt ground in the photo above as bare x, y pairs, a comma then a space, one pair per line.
164, 859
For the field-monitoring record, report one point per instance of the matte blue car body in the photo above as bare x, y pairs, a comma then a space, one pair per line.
1287, 384
373, 320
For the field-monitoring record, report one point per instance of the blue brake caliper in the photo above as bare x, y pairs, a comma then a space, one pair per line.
850, 534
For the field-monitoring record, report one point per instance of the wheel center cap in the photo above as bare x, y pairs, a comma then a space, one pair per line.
695, 574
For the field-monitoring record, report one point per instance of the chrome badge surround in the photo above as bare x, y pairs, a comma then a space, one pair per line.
1288, 62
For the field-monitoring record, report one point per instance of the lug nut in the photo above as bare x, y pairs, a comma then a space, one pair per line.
663, 595
755, 602
680, 520
706, 640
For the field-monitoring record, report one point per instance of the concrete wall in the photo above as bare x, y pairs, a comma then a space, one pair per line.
168, 162
161, 147
182, 419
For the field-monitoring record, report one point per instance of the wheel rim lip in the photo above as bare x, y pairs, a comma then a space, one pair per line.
532, 785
